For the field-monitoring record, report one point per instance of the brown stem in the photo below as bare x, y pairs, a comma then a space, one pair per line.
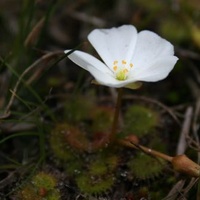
149, 151
116, 114
155, 153
180, 163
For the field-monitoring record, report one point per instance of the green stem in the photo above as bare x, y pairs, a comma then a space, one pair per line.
116, 114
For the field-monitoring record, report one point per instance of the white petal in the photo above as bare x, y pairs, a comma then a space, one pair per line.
149, 47
106, 79
101, 72
115, 43
84, 59
158, 70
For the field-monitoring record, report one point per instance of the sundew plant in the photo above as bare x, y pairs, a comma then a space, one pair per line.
99, 100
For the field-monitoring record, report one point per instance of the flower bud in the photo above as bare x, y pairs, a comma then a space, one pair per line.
132, 138
183, 164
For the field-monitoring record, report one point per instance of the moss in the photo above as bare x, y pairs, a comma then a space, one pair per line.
58, 143
89, 184
74, 167
88, 138
99, 176
44, 180
42, 186
139, 120
27, 193
103, 165
98, 168
145, 167
112, 161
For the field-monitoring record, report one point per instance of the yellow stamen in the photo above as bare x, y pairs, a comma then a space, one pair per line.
125, 70
123, 62
121, 70
115, 68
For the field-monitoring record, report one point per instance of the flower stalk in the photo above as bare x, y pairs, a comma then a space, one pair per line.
116, 114
131, 143
180, 163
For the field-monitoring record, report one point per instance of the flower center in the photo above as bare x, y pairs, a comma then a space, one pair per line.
121, 69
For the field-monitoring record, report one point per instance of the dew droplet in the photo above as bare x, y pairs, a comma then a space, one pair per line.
124, 174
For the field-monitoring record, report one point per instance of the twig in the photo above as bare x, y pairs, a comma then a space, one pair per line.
188, 188
182, 144
195, 126
193, 140
33, 35
175, 191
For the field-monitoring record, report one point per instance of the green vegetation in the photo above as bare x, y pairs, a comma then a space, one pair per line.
41, 186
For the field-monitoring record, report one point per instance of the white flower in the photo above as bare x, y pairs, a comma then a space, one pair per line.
128, 56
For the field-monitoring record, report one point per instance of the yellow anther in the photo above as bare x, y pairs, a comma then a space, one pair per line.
125, 70
123, 62
115, 68
121, 69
